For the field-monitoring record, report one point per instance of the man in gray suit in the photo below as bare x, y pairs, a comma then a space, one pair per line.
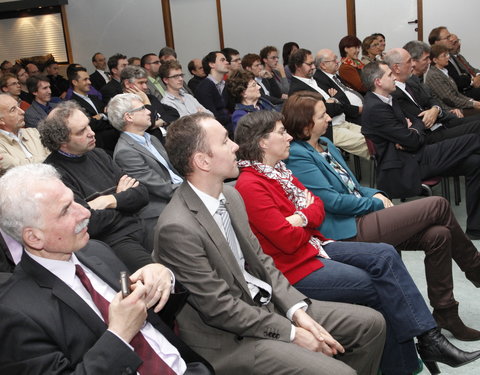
142, 156
242, 314
39, 87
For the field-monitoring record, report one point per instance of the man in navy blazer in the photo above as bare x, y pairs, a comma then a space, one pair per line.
51, 321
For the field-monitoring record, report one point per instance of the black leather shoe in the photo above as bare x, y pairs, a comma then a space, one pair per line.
433, 347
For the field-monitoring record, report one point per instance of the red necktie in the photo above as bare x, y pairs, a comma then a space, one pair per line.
152, 363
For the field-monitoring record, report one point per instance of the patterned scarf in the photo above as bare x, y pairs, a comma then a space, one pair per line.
353, 62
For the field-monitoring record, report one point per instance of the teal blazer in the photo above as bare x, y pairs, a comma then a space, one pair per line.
321, 179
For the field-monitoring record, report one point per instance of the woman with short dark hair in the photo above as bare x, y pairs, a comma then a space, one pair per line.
351, 66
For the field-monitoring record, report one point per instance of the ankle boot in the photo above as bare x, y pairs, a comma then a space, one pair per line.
433, 347
450, 320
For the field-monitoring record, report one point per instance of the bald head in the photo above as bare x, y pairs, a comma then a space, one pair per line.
327, 61
400, 62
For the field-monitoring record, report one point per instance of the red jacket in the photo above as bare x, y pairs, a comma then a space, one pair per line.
267, 207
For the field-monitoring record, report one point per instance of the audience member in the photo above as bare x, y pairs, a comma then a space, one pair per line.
151, 63
284, 216
237, 294
10, 85
105, 136
18, 145
269, 56
370, 49
287, 50
22, 76
346, 135
381, 44
58, 84
234, 60
403, 158
79, 322
327, 64
99, 77
196, 70
443, 86
245, 92
357, 213
43, 103
142, 156
114, 198
134, 61
5, 67
116, 64
167, 54
351, 66
175, 95
269, 88
210, 92
32, 69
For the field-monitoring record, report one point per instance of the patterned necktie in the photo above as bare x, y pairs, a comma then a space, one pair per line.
152, 363
465, 65
256, 285
344, 87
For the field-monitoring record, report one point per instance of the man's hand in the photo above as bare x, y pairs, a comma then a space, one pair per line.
126, 183
332, 92
135, 90
311, 335
102, 202
386, 202
457, 112
476, 81
429, 117
409, 123
127, 315
158, 283
98, 116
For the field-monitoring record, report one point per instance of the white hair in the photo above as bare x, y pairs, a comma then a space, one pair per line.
19, 197
118, 106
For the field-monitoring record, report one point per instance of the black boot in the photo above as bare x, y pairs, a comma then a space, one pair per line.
450, 320
433, 347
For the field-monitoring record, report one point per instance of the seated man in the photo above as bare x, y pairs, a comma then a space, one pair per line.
80, 322
346, 135
43, 103
241, 308
98, 183
270, 59
175, 95
142, 156
9, 84
18, 145
196, 70
106, 137
58, 84
99, 77
404, 160
116, 64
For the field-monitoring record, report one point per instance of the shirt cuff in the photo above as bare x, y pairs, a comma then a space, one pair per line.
122, 340
172, 279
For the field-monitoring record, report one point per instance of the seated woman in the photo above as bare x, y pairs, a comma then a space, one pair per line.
358, 213
381, 44
287, 50
370, 49
350, 69
444, 87
284, 217
245, 92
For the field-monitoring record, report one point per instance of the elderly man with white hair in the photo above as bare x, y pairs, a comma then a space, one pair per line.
62, 311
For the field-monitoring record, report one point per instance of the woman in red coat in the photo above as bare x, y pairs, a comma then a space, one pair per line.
284, 217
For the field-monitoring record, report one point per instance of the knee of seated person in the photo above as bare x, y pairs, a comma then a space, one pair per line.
437, 202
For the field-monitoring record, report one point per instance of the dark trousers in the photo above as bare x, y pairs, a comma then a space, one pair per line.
372, 274
426, 224
454, 128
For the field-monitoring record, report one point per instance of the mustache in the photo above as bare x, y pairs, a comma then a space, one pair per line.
81, 226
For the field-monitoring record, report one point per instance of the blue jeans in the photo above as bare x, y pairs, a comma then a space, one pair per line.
372, 274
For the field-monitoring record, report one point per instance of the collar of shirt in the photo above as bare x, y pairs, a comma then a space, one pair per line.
171, 96
142, 139
444, 71
385, 99
63, 269
154, 80
11, 135
84, 97
210, 202
46, 108
309, 81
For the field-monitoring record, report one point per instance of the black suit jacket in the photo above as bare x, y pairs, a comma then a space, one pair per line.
111, 89
7, 264
105, 134
208, 96
398, 171
47, 328
352, 112
97, 80
274, 90
333, 109
462, 79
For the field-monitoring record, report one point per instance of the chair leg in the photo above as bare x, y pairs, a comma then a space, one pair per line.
456, 190
446, 188
373, 170
358, 167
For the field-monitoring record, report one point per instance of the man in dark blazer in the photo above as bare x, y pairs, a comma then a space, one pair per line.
105, 135
116, 64
416, 103
404, 160
143, 157
7, 263
327, 65
68, 330
240, 311
211, 92
99, 77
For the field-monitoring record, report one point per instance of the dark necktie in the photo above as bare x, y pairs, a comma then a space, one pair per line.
465, 65
409, 89
152, 363
344, 87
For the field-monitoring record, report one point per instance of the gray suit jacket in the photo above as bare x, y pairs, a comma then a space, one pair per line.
220, 320
34, 114
142, 165
445, 89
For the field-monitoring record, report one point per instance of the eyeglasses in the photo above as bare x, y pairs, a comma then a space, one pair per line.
16, 83
252, 84
177, 76
310, 63
327, 61
281, 132
137, 109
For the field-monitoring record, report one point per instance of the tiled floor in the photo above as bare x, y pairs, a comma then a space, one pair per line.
465, 292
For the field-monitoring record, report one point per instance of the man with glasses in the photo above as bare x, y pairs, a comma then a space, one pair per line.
98, 183
151, 63
9, 84
18, 145
346, 135
175, 95
196, 70
269, 56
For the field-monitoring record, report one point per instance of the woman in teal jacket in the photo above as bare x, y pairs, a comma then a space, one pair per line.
357, 213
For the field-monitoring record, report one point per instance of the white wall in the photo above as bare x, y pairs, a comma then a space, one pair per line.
131, 27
